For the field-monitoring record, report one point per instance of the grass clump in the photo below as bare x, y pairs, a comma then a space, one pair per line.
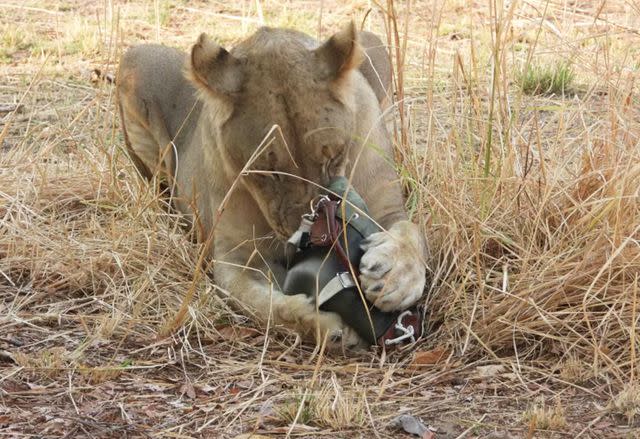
627, 403
298, 408
47, 363
330, 406
547, 79
12, 40
540, 416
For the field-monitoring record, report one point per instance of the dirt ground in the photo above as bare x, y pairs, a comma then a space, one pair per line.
93, 270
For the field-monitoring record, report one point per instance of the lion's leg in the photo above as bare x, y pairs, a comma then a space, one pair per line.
139, 134
246, 266
146, 137
392, 269
139, 95
268, 304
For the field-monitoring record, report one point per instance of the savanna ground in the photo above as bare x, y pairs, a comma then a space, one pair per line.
516, 129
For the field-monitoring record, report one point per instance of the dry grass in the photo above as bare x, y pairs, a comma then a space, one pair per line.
542, 417
627, 403
534, 231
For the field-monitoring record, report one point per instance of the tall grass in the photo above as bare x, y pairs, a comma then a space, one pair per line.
534, 232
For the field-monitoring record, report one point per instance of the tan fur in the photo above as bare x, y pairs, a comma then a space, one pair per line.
376, 67
330, 122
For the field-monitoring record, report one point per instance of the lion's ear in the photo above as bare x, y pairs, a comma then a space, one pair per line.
340, 53
214, 69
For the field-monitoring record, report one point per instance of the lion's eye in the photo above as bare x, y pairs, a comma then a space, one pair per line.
333, 158
336, 160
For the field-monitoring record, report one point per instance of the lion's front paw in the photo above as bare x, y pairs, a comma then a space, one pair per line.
312, 323
392, 271
345, 340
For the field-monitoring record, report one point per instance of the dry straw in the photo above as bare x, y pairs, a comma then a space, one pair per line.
534, 233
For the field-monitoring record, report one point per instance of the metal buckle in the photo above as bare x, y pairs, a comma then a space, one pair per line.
345, 279
314, 205
316, 202
407, 332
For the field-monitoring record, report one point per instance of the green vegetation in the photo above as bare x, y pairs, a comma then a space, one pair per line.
547, 79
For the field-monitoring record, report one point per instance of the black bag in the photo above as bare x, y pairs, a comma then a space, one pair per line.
324, 256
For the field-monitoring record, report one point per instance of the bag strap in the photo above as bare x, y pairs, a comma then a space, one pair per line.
326, 230
340, 282
322, 228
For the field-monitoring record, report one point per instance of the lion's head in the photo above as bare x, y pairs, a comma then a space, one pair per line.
281, 77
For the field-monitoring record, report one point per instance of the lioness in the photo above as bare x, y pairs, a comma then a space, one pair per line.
205, 122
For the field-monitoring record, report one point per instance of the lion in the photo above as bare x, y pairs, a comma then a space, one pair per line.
245, 138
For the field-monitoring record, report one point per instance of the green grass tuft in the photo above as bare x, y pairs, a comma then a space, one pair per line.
554, 79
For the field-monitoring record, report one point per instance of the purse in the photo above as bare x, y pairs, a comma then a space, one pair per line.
323, 258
